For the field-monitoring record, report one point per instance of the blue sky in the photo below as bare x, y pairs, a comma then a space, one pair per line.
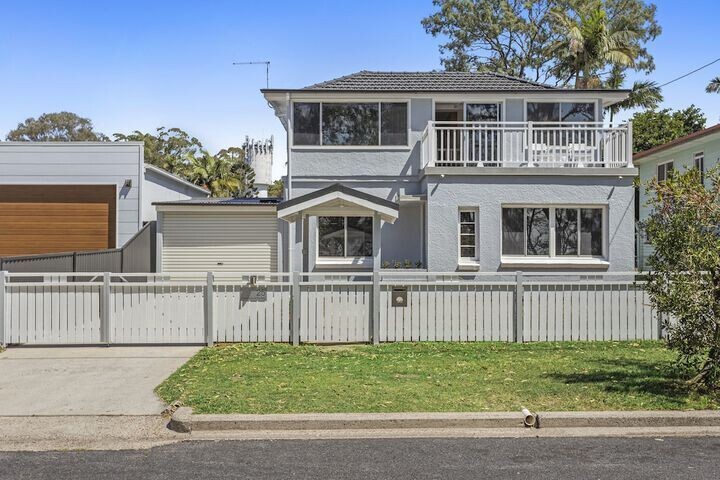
140, 65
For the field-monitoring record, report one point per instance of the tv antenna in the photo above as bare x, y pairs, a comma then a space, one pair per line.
267, 69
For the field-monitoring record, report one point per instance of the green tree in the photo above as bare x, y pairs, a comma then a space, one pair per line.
657, 127
277, 189
589, 43
239, 169
644, 93
168, 148
519, 37
56, 127
713, 86
684, 283
220, 175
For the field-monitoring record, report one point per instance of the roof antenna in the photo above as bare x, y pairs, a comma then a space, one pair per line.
267, 69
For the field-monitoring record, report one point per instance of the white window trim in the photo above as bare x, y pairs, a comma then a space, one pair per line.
344, 260
468, 261
657, 169
700, 156
354, 147
553, 259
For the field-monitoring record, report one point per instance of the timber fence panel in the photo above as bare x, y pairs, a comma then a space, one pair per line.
335, 308
156, 313
42, 308
252, 312
57, 313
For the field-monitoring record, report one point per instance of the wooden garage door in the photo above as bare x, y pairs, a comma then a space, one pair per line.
56, 218
235, 241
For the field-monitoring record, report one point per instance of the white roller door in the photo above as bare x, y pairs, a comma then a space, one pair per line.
235, 241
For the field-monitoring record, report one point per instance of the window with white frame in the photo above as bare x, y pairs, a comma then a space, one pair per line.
345, 237
560, 112
468, 234
553, 231
699, 162
663, 170
350, 123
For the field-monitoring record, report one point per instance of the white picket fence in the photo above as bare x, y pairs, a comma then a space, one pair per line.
103, 308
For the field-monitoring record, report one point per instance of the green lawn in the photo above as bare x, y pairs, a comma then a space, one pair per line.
404, 377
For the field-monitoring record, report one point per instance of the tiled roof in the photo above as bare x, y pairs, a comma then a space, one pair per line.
678, 141
428, 82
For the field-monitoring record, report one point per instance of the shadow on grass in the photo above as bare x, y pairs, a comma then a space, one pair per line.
633, 376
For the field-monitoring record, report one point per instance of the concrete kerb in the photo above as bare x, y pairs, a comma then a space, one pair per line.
184, 421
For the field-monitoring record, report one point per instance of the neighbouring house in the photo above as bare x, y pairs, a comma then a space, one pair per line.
699, 150
454, 171
79, 196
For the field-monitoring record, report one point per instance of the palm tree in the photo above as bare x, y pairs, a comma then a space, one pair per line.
213, 173
589, 42
713, 86
222, 174
644, 94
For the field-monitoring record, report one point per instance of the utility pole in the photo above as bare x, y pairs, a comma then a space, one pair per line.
267, 69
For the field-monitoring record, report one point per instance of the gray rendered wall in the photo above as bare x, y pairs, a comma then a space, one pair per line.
490, 193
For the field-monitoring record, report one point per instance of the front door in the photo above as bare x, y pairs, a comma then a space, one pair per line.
449, 134
483, 138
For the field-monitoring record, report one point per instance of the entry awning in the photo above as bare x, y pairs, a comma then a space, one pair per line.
337, 200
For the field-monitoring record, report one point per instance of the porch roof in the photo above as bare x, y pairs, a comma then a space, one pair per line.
337, 200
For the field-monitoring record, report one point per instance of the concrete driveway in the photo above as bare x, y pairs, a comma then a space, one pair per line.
86, 380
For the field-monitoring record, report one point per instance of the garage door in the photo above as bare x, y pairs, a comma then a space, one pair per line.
220, 241
38, 219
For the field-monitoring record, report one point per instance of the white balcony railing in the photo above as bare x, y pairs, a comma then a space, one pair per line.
526, 144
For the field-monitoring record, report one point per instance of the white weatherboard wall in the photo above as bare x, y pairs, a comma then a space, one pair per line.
81, 163
230, 239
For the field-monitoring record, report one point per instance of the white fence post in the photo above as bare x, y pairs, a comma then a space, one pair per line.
519, 308
295, 311
375, 313
208, 299
3, 339
105, 310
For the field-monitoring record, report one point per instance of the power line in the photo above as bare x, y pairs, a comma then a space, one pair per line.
689, 73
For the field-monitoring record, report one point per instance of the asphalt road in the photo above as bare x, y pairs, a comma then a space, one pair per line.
562, 458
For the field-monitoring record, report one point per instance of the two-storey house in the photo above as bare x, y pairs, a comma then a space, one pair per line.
454, 172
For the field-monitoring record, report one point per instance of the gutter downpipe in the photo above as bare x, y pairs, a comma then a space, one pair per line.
292, 226
288, 117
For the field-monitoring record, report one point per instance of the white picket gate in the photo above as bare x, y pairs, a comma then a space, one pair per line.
103, 308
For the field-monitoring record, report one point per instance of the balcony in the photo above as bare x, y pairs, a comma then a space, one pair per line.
526, 144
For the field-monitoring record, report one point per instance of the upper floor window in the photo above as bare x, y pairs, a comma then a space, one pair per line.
306, 123
560, 112
663, 170
350, 124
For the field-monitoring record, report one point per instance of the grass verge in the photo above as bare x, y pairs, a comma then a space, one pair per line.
433, 377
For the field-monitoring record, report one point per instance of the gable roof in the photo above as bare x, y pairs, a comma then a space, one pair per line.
427, 82
289, 209
678, 141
